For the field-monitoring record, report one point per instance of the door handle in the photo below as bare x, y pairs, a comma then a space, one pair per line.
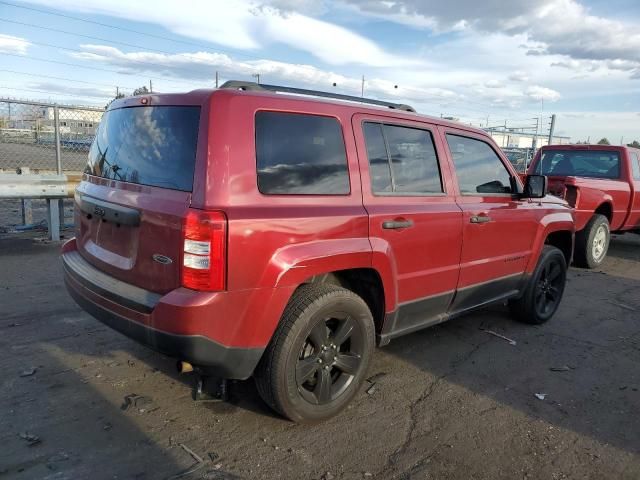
397, 224
480, 219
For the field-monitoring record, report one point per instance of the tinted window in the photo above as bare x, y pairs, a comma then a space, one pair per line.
379, 165
407, 163
300, 154
147, 145
478, 167
635, 166
581, 163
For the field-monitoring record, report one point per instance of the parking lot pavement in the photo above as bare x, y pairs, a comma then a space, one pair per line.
452, 401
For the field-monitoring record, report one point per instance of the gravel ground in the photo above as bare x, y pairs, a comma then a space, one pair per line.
449, 402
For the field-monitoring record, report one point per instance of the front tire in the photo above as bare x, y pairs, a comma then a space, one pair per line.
318, 357
592, 242
543, 294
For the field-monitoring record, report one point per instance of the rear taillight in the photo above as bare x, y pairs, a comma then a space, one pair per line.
204, 253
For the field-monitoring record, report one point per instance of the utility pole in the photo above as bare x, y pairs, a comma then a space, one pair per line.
150, 86
257, 77
117, 91
216, 79
552, 128
362, 88
535, 137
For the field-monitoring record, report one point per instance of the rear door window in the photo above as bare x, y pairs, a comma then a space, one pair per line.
402, 160
150, 145
478, 167
300, 154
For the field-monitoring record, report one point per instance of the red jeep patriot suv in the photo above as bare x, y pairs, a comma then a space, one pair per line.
253, 233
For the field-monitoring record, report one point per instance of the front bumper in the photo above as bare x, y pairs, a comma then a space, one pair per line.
130, 310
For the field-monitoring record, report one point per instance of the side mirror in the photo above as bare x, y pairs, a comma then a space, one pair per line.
535, 186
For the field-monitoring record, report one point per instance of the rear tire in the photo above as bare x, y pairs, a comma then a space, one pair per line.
544, 292
592, 242
318, 357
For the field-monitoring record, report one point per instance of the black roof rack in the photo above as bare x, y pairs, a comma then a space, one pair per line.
258, 87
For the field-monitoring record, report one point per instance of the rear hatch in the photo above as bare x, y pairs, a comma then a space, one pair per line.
130, 207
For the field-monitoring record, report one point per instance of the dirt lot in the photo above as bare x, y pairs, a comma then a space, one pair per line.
448, 402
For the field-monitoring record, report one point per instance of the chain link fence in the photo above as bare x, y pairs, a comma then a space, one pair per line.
519, 157
45, 137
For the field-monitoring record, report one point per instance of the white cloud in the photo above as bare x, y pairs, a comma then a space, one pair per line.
519, 76
494, 84
51, 87
552, 27
537, 92
595, 125
14, 45
246, 25
203, 65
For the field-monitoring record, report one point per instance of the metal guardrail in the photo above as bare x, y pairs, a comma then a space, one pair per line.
53, 188
48, 143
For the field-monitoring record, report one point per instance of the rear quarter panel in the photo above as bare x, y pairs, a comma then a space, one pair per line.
278, 241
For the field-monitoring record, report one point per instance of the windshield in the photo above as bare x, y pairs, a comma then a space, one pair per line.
579, 163
147, 145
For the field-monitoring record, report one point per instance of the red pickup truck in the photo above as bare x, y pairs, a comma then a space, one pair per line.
602, 183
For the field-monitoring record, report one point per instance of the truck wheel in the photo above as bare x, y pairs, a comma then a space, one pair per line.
543, 294
592, 243
319, 355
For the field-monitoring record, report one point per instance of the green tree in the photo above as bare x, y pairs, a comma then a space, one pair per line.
604, 141
118, 95
635, 144
143, 90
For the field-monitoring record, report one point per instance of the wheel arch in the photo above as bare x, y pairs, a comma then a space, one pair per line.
364, 282
557, 229
606, 209
349, 263
562, 240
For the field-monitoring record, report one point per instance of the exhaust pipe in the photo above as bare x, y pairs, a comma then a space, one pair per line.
184, 367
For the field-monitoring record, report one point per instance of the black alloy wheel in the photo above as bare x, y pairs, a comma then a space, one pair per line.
329, 359
318, 357
541, 297
548, 292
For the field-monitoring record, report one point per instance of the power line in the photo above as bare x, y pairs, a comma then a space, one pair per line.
50, 92
91, 37
207, 48
184, 82
141, 62
131, 30
66, 79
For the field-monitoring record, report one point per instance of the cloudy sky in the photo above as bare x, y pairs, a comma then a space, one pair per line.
483, 62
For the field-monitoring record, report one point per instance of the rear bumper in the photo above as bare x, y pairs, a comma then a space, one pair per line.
132, 311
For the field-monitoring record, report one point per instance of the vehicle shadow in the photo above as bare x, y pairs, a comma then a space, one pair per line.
584, 362
65, 379
452, 379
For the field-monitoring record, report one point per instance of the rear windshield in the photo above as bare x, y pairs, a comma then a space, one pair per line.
147, 145
579, 163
